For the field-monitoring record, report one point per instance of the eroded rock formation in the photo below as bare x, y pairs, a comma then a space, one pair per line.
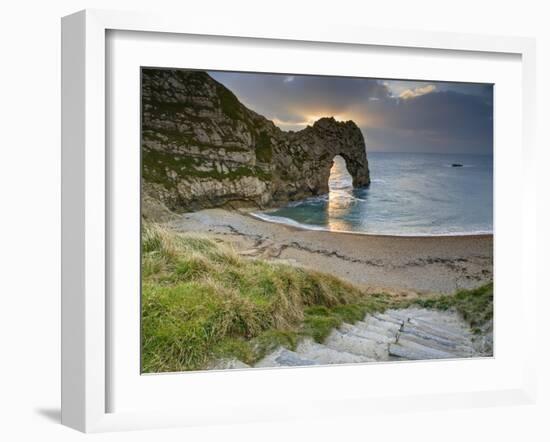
202, 148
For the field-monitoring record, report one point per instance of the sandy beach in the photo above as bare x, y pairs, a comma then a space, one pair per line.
399, 265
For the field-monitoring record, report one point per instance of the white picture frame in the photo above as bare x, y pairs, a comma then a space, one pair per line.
86, 356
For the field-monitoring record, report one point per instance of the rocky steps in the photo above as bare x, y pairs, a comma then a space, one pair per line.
407, 334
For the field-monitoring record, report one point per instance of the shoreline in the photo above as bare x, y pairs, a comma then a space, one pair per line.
299, 226
401, 265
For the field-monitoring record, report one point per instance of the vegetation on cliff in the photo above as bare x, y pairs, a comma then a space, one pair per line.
201, 301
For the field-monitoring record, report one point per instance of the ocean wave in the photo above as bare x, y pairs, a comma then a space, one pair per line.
293, 223
286, 221
312, 199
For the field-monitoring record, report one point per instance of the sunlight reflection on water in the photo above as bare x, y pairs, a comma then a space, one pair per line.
339, 202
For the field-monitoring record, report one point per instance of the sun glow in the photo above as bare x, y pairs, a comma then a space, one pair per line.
339, 204
304, 119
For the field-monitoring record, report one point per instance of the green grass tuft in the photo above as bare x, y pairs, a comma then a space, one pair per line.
263, 149
475, 306
318, 326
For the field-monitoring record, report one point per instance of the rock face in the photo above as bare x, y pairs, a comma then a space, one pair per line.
202, 148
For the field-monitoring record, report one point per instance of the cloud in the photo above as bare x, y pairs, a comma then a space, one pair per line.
446, 121
397, 115
411, 93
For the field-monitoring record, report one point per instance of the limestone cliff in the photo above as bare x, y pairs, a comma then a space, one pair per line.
202, 148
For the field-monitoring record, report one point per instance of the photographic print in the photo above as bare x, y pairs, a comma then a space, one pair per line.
304, 220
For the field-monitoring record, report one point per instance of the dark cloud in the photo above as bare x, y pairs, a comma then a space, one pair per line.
395, 115
445, 121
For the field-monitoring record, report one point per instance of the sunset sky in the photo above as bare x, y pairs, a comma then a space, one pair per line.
394, 115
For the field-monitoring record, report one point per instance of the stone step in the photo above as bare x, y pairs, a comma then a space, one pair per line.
386, 325
422, 333
400, 315
359, 346
444, 319
448, 318
458, 351
368, 333
406, 354
283, 357
322, 354
437, 329
371, 326
395, 335
412, 350
388, 318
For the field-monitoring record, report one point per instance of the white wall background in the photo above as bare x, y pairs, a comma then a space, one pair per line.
30, 220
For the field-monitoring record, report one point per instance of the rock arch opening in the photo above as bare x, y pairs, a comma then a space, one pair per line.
339, 176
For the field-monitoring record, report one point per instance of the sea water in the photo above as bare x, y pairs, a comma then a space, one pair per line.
410, 194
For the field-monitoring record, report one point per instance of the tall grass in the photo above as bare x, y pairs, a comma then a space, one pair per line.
201, 300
